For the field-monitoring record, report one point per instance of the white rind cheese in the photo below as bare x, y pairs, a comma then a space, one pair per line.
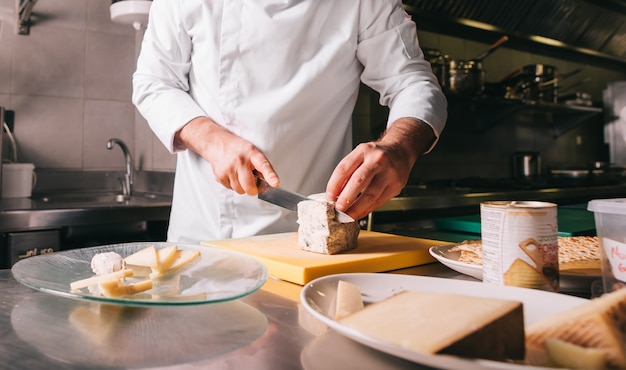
319, 230
440, 323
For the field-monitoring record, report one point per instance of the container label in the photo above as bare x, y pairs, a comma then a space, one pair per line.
615, 253
520, 245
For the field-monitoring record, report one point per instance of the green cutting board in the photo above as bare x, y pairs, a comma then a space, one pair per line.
572, 222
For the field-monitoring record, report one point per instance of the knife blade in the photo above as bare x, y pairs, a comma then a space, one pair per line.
289, 200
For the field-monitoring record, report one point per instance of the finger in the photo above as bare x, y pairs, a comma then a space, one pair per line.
235, 184
262, 165
342, 174
247, 180
368, 201
358, 182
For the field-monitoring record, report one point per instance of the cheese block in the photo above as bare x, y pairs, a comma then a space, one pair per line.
441, 323
349, 299
319, 230
600, 323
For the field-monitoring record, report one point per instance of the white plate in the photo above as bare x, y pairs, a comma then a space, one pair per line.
569, 281
218, 275
451, 259
318, 296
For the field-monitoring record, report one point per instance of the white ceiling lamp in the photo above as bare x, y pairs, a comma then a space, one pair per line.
133, 12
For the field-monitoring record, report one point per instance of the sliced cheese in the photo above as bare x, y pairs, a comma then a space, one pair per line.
572, 356
349, 299
166, 257
439, 323
600, 323
183, 257
98, 279
145, 257
115, 289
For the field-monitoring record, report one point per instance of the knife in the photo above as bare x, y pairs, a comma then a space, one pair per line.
289, 200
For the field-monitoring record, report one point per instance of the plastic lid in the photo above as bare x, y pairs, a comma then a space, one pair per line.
615, 206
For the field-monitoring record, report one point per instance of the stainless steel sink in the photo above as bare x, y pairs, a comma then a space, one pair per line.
99, 198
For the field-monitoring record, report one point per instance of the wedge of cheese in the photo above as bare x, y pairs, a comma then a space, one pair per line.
349, 299
183, 257
600, 324
145, 257
440, 323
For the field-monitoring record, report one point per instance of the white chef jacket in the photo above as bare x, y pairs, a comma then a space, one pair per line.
283, 74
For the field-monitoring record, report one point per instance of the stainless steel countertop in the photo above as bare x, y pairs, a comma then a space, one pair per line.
36, 332
428, 199
268, 329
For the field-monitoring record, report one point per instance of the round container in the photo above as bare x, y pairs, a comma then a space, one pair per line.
18, 180
610, 218
520, 244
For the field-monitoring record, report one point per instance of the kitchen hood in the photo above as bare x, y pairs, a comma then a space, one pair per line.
594, 31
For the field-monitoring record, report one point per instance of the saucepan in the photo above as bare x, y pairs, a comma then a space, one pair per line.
463, 78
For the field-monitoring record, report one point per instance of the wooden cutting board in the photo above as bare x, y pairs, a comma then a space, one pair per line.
375, 252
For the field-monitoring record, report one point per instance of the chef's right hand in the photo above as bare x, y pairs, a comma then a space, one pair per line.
233, 159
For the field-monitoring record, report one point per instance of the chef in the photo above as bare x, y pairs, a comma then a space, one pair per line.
237, 87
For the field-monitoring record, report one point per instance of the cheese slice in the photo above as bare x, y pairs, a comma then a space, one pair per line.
115, 289
166, 257
98, 279
145, 257
600, 323
183, 257
440, 323
349, 299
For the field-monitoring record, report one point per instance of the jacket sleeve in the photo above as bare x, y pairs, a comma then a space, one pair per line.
395, 67
161, 80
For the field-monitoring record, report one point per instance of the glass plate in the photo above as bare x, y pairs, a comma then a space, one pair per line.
218, 275
318, 298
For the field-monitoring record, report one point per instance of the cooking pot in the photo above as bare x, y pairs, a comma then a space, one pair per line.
534, 83
525, 165
463, 78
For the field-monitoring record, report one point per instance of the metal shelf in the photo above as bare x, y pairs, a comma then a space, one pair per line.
486, 112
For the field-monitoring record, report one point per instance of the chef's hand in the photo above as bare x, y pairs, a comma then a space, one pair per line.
233, 159
377, 171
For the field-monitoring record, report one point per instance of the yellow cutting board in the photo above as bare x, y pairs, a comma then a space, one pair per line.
375, 252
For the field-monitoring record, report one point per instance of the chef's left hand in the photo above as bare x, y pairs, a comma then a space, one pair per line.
377, 171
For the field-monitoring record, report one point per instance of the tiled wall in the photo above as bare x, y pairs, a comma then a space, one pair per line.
69, 83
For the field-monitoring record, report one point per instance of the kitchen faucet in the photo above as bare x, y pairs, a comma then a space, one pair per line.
128, 179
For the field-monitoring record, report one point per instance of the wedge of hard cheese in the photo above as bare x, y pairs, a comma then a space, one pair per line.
600, 324
440, 323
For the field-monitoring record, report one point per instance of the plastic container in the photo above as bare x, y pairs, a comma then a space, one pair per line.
18, 180
610, 218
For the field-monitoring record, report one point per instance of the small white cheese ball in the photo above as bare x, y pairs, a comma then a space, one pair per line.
105, 263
